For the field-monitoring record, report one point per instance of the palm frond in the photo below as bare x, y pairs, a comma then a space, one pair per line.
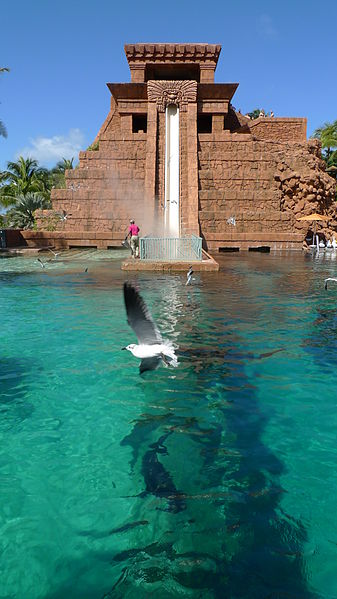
25, 175
63, 165
22, 213
3, 130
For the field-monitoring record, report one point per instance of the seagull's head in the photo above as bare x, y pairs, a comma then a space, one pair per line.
130, 347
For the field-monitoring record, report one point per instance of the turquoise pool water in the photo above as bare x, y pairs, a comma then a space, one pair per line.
216, 479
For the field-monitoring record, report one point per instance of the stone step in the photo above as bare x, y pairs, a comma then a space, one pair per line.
100, 195
234, 195
125, 170
230, 236
262, 215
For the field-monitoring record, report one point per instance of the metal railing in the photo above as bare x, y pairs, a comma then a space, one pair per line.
184, 249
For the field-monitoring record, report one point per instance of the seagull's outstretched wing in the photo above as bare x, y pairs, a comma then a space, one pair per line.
149, 364
189, 276
139, 317
329, 279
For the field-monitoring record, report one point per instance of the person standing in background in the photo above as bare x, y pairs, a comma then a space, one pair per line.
134, 239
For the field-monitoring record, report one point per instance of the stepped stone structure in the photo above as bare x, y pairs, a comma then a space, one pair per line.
175, 155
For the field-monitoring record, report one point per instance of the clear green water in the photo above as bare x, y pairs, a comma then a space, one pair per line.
217, 479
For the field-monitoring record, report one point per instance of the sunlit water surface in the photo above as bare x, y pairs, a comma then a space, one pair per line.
216, 479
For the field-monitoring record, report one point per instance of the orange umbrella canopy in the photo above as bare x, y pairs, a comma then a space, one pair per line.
314, 216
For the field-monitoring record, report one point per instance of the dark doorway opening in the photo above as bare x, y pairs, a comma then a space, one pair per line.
262, 248
204, 123
139, 123
181, 72
224, 250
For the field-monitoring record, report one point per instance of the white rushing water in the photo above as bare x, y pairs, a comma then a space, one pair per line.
172, 224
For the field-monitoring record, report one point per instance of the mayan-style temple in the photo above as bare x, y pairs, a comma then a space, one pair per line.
175, 155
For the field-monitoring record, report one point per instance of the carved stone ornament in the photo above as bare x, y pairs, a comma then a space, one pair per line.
179, 93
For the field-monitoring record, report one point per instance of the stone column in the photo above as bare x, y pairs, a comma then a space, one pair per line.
183, 94
137, 73
151, 158
207, 73
217, 123
190, 208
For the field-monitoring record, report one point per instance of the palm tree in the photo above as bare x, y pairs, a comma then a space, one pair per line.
58, 172
3, 130
21, 177
64, 165
22, 215
328, 136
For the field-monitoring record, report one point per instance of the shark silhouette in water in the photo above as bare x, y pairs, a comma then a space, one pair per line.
205, 357
158, 481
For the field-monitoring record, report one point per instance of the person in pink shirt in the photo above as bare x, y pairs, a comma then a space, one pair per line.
134, 242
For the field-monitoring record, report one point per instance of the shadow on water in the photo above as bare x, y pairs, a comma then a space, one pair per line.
225, 535
321, 343
14, 408
268, 560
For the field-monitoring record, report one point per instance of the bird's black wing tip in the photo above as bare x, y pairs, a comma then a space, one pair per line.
149, 364
129, 287
130, 292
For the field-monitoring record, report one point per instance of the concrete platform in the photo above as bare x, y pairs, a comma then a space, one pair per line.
206, 264
276, 241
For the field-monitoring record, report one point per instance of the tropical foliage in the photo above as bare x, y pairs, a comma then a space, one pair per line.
327, 134
21, 177
3, 130
21, 216
25, 187
64, 165
94, 146
254, 114
57, 174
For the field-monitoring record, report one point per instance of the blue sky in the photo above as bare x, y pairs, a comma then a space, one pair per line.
61, 54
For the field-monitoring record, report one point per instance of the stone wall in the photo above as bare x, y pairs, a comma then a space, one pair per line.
160, 164
262, 172
265, 185
107, 189
14, 238
279, 129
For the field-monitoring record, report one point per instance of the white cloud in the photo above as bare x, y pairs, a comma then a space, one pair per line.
266, 26
48, 150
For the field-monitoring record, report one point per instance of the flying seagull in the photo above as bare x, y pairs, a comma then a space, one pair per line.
151, 348
326, 282
41, 263
64, 215
189, 276
52, 251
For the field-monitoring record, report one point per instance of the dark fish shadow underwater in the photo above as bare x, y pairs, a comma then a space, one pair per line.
255, 550
14, 375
